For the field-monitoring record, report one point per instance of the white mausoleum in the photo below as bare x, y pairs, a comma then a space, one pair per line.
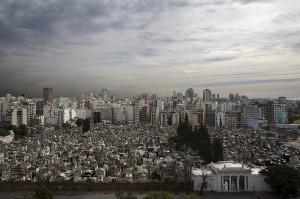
229, 176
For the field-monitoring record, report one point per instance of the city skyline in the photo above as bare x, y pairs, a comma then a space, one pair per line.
199, 94
244, 46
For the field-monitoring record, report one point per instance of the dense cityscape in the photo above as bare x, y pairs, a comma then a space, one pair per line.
149, 99
100, 138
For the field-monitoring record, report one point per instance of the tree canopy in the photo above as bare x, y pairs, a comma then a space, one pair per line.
4, 132
79, 122
197, 139
217, 152
20, 131
86, 125
283, 179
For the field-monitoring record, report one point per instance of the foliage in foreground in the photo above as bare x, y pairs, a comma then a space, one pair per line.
42, 193
192, 196
158, 195
284, 180
126, 195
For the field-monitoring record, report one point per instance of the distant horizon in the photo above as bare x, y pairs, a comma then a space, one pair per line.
199, 94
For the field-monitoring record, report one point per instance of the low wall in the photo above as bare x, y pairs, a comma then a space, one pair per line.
68, 186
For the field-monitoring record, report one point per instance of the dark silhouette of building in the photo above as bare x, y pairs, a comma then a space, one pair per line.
48, 94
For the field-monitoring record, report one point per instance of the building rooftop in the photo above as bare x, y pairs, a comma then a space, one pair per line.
228, 165
200, 172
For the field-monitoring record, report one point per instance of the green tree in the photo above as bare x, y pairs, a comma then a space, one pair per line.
217, 150
86, 125
283, 179
16, 130
4, 132
23, 129
42, 193
66, 125
197, 139
204, 182
158, 195
79, 122
20, 131
204, 144
184, 129
184, 134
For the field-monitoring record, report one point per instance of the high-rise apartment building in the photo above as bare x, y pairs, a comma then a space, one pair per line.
233, 120
145, 114
16, 117
280, 113
31, 112
195, 117
207, 95
105, 94
250, 112
208, 115
231, 97
189, 93
48, 94
2, 113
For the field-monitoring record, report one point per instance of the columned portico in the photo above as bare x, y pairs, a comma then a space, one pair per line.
234, 183
229, 176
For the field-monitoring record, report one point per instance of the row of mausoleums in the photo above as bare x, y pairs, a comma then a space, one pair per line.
229, 176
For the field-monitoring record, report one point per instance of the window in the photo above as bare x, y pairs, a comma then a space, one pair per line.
242, 183
233, 183
226, 183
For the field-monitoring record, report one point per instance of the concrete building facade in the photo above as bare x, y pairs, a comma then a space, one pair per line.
229, 176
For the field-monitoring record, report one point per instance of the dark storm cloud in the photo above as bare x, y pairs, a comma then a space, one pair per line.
30, 20
8, 34
2, 54
117, 43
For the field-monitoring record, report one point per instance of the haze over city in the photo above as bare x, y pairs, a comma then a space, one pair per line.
246, 46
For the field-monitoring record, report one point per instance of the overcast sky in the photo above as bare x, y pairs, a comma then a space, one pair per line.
155, 46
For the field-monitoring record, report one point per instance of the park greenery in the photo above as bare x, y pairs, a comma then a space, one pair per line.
284, 180
158, 195
154, 195
4, 132
84, 124
197, 139
294, 118
125, 195
42, 193
20, 131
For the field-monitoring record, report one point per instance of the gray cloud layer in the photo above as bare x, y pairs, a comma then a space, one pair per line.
248, 46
